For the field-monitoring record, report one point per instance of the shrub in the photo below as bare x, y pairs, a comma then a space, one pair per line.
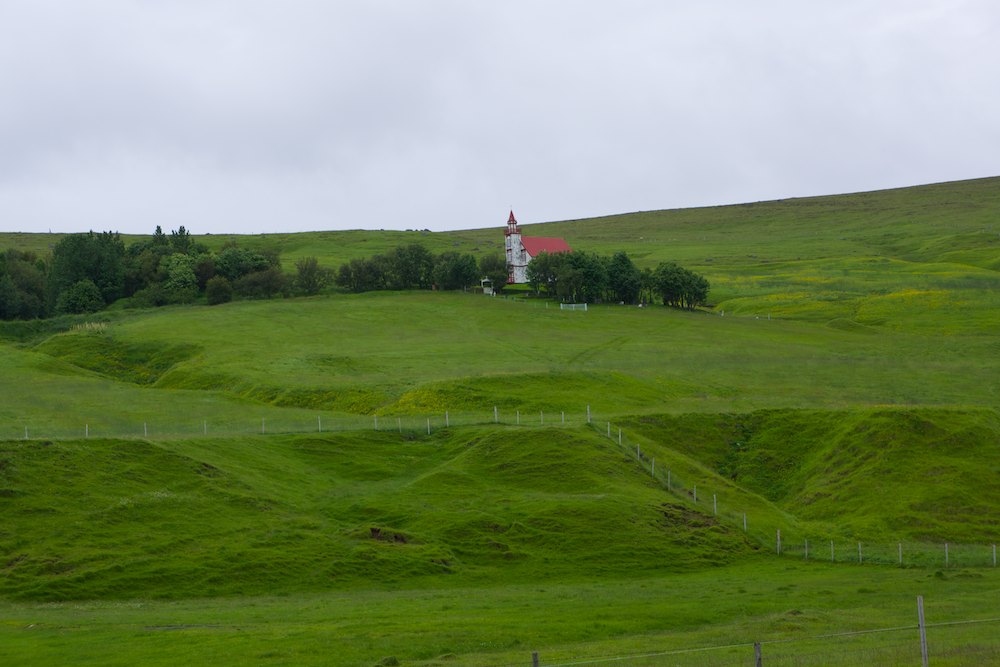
218, 290
81, 297
261, 284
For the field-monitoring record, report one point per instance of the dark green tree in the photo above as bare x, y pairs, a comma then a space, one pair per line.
624, 279
680, 287
98, 258
266, 284
410, 267
234, 262
22, 286
454, 271
181, 241
543, 272
81, 297
494, 267
218, 290
310, 277
593, 275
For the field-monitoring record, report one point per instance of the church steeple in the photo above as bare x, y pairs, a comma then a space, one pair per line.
515, 251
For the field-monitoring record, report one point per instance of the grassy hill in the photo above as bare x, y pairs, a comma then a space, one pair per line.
877, 474
427, 353
921, 258
121, 519
843, 386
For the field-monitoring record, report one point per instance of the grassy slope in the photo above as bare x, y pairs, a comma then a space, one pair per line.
465, 353
116, 519
875, 474
945, 222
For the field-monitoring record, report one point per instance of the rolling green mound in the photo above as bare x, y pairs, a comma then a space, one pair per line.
880, 474
117, 519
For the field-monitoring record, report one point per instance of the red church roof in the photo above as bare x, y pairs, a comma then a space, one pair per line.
512, 218
537, 244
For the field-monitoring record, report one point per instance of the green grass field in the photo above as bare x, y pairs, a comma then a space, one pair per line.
207, 484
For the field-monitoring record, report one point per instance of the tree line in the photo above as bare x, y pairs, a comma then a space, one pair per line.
413, 266
577, 276
586, 277
88, 272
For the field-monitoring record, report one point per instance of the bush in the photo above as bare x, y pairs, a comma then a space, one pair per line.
310, 277
218, 290
261, 284
82, 297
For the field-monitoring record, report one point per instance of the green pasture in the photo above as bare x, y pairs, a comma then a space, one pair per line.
422, 354
472, 546
322, 480
567, 623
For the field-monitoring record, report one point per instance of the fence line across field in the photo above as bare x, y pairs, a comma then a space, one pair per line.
406, 423
783, 539
827, 648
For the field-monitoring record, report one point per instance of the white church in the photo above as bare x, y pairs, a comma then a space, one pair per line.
522, 249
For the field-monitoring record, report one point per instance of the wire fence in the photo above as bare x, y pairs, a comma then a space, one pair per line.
301, 422
962, 642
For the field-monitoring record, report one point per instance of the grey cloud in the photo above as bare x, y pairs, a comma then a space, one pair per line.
267, 116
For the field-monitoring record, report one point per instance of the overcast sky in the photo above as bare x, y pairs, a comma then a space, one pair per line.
266, 116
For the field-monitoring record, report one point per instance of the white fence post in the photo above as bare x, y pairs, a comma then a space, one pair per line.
923, 630
496, 415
